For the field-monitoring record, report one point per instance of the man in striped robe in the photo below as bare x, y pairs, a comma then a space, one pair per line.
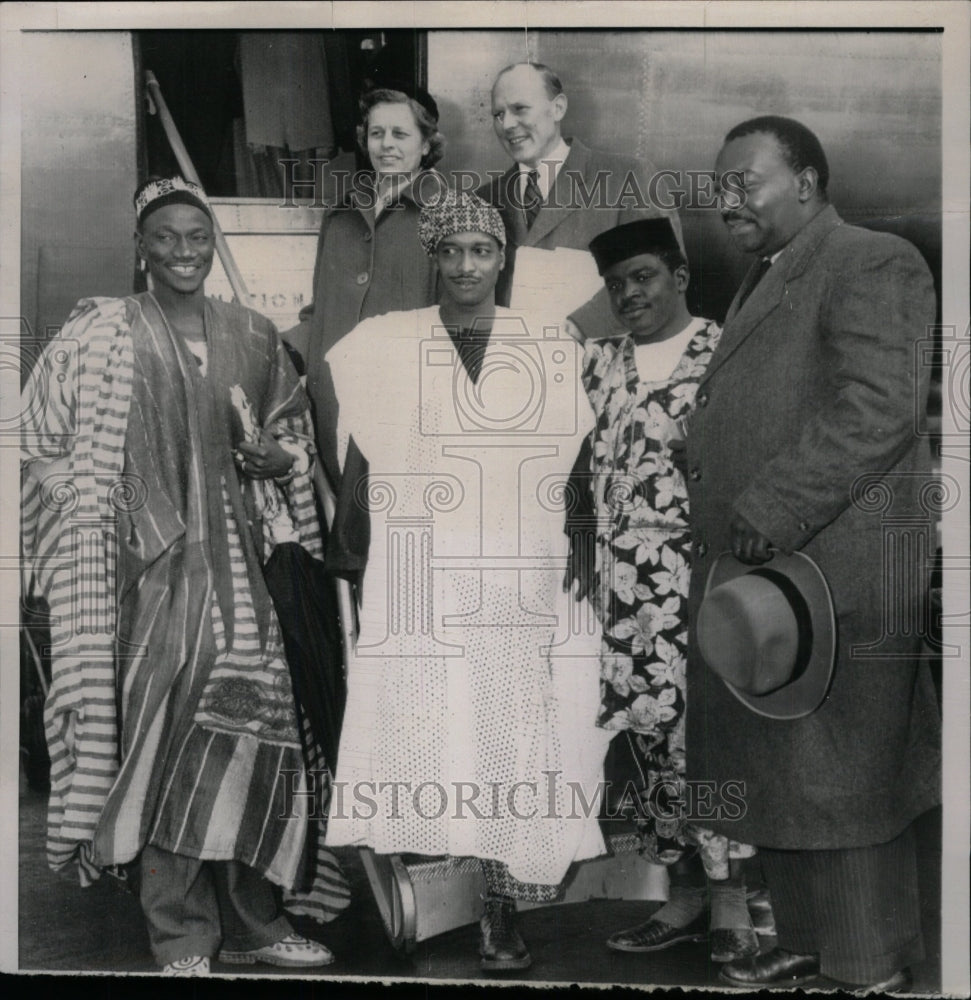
171, 720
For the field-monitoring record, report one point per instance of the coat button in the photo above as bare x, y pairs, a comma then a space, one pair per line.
804, 526
362, 278
694, 475
367, 236
701, 548
702, 398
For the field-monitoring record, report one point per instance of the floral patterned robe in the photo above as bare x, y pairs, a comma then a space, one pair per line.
643, 551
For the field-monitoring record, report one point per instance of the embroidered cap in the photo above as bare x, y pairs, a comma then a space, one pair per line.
159, 191
458, 212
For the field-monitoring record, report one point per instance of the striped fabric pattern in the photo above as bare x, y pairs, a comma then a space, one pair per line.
247, 663
75, 404
159, 772
329, 892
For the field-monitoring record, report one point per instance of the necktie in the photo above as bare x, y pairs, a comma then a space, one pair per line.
533, 199
764, 265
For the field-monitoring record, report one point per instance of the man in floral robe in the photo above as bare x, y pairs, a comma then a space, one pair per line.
642, 388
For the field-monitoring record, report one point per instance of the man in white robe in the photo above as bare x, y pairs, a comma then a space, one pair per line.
472, 695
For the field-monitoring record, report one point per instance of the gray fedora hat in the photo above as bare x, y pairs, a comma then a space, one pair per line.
769, 632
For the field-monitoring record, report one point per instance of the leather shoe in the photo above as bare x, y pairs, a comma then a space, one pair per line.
777, 967
656, 935
500, 945
728, 944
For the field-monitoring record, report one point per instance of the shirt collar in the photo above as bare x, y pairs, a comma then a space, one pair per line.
548, 168
694, 327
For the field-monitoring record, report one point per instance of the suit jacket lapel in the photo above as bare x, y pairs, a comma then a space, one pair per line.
561, 200
741, 322
789, 265
751, 278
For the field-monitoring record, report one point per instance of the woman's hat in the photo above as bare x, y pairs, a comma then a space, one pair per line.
769, 632
417, 94
407, 88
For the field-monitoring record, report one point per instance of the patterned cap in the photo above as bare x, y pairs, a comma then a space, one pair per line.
161, 191
458, 212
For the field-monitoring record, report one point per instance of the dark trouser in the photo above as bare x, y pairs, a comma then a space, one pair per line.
857, 908
191, 906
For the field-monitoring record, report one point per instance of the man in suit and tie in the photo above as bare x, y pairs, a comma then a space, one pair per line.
804, 439
559, 192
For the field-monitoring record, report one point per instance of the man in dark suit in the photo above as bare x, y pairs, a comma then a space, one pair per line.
805, 439
560, 192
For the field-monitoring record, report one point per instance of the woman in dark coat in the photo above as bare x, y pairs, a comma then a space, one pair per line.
367, 266
366, 259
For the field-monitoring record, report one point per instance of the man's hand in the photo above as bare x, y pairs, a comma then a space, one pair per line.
266, 460
749, 545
